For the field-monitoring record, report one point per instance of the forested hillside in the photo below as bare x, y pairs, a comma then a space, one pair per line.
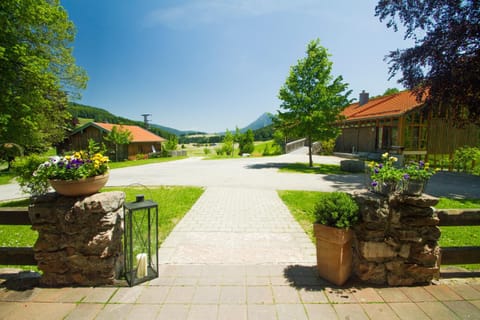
102, 115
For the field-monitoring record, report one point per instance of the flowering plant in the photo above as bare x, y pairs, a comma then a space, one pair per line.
78, 165
384, 172
417, 171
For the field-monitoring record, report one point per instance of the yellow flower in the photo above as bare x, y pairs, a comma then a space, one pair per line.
371, 164
68, 158
385, 155
77, 155
394, 159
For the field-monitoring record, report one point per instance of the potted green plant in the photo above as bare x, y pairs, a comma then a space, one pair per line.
384, 175
334, 214
415, 177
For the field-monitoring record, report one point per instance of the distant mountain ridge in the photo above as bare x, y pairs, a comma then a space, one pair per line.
263, 121
101, 115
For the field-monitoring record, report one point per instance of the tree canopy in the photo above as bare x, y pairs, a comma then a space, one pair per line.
37, 72
445, 60
312, 99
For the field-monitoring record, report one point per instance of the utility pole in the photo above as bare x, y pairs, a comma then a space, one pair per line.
145, 119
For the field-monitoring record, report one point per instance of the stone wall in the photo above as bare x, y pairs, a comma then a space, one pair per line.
79, 238
396, 241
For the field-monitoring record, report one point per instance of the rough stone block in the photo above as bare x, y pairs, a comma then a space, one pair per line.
376, 251
80, 238
370, 272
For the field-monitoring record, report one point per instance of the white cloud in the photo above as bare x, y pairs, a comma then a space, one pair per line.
193, 13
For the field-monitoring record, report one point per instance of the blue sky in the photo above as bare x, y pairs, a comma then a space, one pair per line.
211, 65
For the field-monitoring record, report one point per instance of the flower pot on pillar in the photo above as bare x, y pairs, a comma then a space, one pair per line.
81, 187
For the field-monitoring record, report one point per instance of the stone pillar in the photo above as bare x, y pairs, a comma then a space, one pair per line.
79, 238
396, 241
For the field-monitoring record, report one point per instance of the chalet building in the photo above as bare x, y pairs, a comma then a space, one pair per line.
399, 123
143, 142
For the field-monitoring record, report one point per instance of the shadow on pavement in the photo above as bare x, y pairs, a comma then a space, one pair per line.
268, 165
454, 185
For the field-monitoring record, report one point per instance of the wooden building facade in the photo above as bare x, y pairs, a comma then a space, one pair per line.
143, 142
400, 123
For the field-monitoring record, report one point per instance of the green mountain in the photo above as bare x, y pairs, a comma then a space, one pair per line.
263, 121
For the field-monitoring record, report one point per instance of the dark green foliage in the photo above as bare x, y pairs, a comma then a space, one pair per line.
336, 209
24, 168
445, 59
466, 159
37, 73
246, 142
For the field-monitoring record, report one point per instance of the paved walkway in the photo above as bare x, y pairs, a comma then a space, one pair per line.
238, 226
238, 254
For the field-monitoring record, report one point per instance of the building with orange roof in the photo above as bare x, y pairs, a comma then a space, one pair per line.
143, 141
400, 123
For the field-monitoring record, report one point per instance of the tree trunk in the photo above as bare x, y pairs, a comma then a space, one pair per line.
310, 152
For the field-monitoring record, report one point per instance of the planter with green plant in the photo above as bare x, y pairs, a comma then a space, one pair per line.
385, 177
334, 214
415, 177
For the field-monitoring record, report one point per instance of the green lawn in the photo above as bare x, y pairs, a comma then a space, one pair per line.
302, 203
173, 204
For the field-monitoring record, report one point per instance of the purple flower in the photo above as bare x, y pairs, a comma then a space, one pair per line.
421, 163
406, 176
376, 170
380, 165
374, 183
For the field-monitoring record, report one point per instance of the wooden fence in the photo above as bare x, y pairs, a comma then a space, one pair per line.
459, 255
449, 255
16, 255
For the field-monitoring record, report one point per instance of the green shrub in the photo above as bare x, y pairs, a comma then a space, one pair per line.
328, 146
336, 209
219, 151
465, 159
24, 168
206, 151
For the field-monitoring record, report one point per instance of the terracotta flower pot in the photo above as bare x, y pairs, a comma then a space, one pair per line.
334, 253
82, 187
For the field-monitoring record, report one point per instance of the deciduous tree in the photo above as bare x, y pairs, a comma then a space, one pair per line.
37, 72
312, 99
445, 60
119, 136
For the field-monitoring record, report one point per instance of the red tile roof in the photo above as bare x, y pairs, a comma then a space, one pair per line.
139, 134
389, 106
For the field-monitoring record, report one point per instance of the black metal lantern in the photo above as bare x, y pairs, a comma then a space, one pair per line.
140, 240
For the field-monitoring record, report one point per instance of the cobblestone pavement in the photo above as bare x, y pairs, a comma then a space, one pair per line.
238, 226
239, 254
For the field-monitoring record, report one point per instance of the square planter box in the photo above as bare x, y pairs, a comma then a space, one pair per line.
334, 253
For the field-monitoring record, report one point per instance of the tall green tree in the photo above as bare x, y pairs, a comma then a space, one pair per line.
312, 99
445, 58
37, 72
245, 143
119, 136
228, 142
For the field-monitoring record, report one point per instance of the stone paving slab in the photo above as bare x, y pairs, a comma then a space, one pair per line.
181, 292
238, 226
